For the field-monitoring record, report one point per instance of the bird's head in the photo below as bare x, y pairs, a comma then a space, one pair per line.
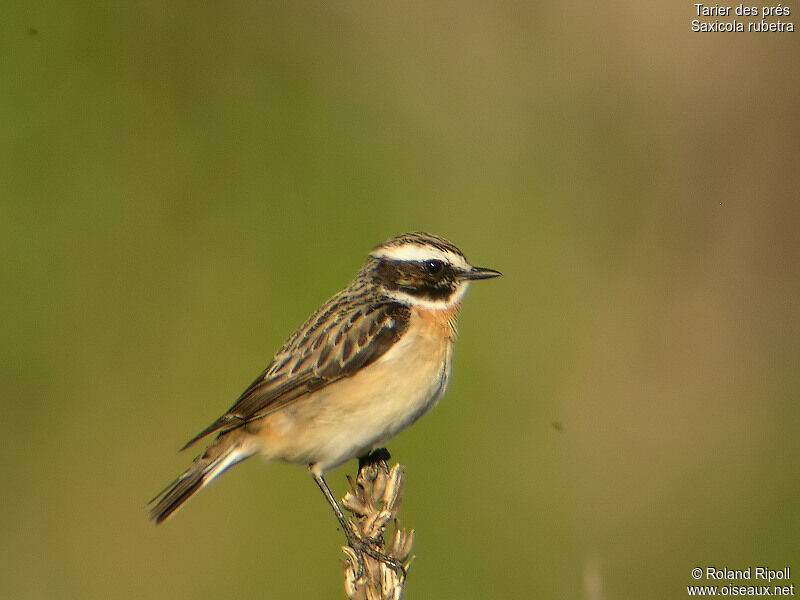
423, 269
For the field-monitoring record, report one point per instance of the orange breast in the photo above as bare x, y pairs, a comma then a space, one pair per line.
439, 322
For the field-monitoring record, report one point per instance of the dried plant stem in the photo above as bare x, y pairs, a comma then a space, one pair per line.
374, 499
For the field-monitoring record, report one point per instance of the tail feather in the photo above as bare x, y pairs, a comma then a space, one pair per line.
217, 458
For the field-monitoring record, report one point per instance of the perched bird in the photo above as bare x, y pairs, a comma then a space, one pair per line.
367, 364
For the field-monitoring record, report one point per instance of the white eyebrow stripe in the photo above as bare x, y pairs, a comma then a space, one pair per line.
415, 252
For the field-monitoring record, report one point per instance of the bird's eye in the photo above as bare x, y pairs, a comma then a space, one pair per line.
434, 267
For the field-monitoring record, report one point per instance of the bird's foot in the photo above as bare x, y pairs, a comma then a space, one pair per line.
373, 549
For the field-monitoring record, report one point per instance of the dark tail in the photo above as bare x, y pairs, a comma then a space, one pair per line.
220, 456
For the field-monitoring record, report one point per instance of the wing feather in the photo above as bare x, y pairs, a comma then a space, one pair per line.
337, 341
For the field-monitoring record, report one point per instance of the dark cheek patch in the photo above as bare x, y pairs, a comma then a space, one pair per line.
414, 279
440, 291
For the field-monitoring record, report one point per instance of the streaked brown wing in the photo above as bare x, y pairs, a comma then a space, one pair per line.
334, 343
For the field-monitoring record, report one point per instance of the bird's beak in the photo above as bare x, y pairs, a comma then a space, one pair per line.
481, 273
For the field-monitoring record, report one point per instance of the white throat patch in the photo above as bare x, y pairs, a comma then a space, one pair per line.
444, 304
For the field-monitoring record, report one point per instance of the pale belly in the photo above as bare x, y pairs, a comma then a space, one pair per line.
352, 416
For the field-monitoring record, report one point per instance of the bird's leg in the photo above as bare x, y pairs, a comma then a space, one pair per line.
353, 539
323, 485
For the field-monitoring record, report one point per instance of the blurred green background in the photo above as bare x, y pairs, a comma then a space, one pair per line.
181, 184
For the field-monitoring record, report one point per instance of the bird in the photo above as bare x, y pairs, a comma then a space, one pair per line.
366, 365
